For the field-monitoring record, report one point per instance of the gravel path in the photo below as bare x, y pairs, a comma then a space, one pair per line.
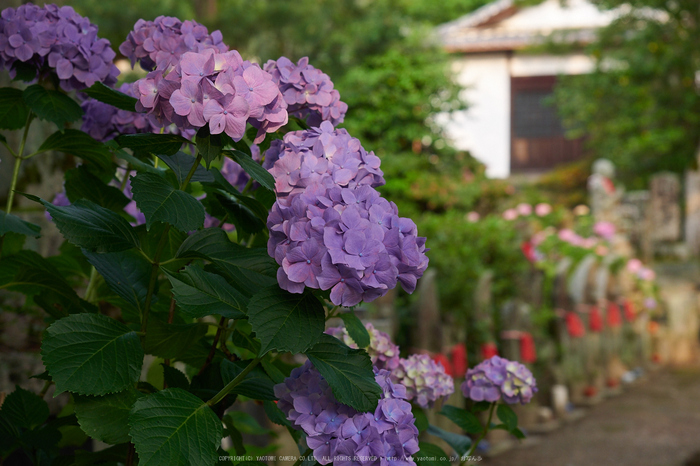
654, 423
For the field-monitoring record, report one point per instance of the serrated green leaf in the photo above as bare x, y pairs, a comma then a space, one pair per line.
460, 443
105, 418
181, 164
248, 269
208, 145
348, 372
199, 293
431, 455
79, 144
150, 244
127, 273
91, 354
275, 415
113, 97
12, 223
174, 378
160, 202
356, 329
169, 341
256, 385
253, 168
150, 143
252, 204
89, 226
24, 71
50, 105
507, 416
9, 436
273, 371
174, 426
467, 421
81, 184
284, 321
24, 409
239, 214
13, 109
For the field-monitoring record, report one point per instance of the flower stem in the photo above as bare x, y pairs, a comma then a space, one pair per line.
301, 459
18, 163
212, 351
232, 384
483, 434
92, 285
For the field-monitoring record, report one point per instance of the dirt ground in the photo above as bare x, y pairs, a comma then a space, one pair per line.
656, 422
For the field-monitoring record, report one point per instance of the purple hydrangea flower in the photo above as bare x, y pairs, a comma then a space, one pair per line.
56, 39
384, 352
497, 378
339, 434
214, 88
325, 183
425, 380
309, 92
159, 44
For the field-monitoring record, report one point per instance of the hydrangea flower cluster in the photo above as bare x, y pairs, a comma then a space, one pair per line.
159, 44
338, 433
383, 352
308, 91
60, 38
329, 228
498, 378
425, 380
218, 89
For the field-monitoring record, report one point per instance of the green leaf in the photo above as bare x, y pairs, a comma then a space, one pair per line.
174, 378
208, 145
169, 341
253, 168
24, 71
246, 423
92, 227
14, 224
256, 385
431, 455
160, 202
252, 204
181, 164
105, 418
13, 109
284, 321
421, 419
91, 354
150, 244
275, 374
199, 293
54, 106
460, 443
356, 329
507, 416
242, 217
174, 427
248, 269
275, 415
150, 143
236, 436
81, 184
467, 421
107, 95
348, 372
127, 273
24, 409
79, 144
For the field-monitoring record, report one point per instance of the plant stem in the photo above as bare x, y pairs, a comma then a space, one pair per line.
212, 351
483, 434
48, 383
232, 384
92, 285
332, 313
171, 316
196, 163
18, 163
301, 459
130, 455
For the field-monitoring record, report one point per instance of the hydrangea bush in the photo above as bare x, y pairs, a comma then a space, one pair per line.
215, 219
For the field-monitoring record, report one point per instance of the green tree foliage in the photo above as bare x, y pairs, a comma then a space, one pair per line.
640, 107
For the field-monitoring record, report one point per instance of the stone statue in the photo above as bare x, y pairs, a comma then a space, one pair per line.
604, 197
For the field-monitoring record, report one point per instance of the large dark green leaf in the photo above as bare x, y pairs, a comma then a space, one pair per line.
13, 109
460, 443
248, 269
174, 427
507, 416
150, 143
257, 384
239, 214
99, 91
174, 378
284, 321
253, 168
467, 421
199, 293
208, 145
79, 144
24, 409
161, 202
126, 272
431, 455
14, 224
181, 164
89, 226
105, 418
171, 340
348, 372
81, 184
54, 106
91, 354
356, 329
254, 205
